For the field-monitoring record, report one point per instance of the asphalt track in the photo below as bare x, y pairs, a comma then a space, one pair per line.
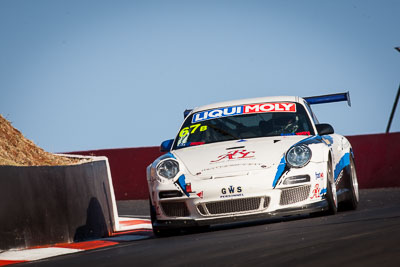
369, 236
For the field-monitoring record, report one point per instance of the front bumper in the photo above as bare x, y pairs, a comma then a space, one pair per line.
244, 197
183, 223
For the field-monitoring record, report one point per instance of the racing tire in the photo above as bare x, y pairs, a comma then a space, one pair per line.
331, 194
352, 202
156, 230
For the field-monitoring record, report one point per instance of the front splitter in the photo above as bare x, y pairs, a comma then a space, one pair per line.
184, 223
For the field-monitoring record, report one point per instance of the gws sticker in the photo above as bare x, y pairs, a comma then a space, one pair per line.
231, 191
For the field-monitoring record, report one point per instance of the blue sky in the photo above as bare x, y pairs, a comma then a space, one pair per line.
81, 75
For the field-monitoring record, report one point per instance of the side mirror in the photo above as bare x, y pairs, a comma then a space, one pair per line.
166, 145
324, 128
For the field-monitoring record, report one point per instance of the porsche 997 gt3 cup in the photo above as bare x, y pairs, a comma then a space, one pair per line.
249, 159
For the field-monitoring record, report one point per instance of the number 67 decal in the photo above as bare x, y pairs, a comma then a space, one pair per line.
192, 129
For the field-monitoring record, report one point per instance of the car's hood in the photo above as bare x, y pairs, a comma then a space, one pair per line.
235, 156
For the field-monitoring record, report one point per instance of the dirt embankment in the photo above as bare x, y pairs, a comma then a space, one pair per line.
17, 150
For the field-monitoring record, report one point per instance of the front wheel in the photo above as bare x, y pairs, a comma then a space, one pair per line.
352, 202
331, 197
331, 194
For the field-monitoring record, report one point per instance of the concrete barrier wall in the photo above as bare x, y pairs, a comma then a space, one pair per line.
46, 205
377, 164
377, 158
128, 168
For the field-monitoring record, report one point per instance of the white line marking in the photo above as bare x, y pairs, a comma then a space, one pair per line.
35, 254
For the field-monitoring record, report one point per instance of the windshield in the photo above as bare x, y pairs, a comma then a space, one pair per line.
243, 122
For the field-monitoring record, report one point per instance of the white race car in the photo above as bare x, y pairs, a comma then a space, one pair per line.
249, 159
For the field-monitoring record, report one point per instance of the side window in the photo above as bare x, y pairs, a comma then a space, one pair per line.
314, 118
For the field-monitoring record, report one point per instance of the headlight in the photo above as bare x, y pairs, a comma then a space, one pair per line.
168, 168
298, 156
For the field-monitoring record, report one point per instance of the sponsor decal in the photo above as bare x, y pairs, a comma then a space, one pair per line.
244, 109
270, 107
236, 154
319, 175
191, 144
231, 191
200, 195
339, 177
232, 165
299, 133
316, 192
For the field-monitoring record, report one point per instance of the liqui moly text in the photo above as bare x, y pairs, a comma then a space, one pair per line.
244, 109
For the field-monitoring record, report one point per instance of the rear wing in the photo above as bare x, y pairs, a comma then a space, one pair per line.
312, 100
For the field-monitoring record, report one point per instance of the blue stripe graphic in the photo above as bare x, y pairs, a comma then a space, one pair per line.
344, 161
182, 183
280, 170
323, 192
169, 154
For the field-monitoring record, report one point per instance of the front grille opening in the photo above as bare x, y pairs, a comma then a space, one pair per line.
175, 209
170, 193
201, 210
294, 194
266, 202
234, 205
